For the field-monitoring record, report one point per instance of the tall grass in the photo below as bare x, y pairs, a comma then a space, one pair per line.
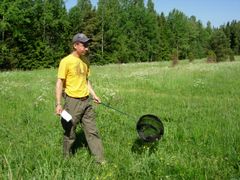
197, 102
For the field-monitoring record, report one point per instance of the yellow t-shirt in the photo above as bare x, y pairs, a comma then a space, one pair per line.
75, 72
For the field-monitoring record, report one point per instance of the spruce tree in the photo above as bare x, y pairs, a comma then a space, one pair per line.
179, 37
219, 44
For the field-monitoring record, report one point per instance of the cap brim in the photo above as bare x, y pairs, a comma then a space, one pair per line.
85, 41
88, 40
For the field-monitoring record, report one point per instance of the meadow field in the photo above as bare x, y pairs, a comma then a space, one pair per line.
198, 103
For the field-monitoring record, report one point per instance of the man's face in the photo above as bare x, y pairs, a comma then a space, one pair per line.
81, 48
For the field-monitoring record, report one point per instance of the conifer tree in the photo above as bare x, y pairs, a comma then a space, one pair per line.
179, 38
79, 16
163, 33
219, 44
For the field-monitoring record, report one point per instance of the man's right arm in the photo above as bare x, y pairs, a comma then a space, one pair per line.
59, 89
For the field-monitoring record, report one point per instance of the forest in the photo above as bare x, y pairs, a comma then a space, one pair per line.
36, 34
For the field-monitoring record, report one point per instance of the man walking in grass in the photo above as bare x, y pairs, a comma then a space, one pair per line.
73, 76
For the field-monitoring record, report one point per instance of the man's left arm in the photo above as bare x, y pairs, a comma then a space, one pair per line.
94, 96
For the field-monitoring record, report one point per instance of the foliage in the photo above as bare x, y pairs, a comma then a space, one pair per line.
190, 57
174, 57
179, 38
231, 56
37, 34
211, 58
232, 31
163, 34
220, 45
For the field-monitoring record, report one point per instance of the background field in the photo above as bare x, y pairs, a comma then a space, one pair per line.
198, 104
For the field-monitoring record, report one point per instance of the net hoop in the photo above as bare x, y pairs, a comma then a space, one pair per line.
150, 128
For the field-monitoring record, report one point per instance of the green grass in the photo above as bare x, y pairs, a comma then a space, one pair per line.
198, 104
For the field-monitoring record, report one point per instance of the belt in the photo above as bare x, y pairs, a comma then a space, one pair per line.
80, 98
83, 98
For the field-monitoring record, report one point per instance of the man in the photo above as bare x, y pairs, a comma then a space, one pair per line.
73, 75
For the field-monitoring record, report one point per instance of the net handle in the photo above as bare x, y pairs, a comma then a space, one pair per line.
121, 112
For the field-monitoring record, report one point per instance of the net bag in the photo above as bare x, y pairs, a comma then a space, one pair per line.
150, 128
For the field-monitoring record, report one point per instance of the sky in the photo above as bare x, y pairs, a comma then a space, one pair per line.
218, 12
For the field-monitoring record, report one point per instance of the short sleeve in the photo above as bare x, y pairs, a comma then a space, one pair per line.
89, 72
62, 70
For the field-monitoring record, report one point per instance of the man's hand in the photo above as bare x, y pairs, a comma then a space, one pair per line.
58, 109
96, 100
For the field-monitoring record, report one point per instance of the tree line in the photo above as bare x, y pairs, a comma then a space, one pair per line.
37, 33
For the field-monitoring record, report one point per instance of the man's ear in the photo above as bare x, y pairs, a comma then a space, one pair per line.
74, 45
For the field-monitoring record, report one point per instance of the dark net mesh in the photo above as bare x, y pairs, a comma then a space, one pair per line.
150, 128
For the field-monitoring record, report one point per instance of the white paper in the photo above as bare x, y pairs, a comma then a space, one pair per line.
65, 115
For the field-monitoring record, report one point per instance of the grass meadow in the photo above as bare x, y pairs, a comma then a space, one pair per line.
198, 103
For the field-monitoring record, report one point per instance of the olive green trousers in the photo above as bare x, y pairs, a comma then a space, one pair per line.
82, 112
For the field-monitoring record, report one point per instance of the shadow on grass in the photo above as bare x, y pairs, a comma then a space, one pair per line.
80, 142
139, 147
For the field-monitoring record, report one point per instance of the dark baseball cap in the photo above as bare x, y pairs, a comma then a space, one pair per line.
80, 37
